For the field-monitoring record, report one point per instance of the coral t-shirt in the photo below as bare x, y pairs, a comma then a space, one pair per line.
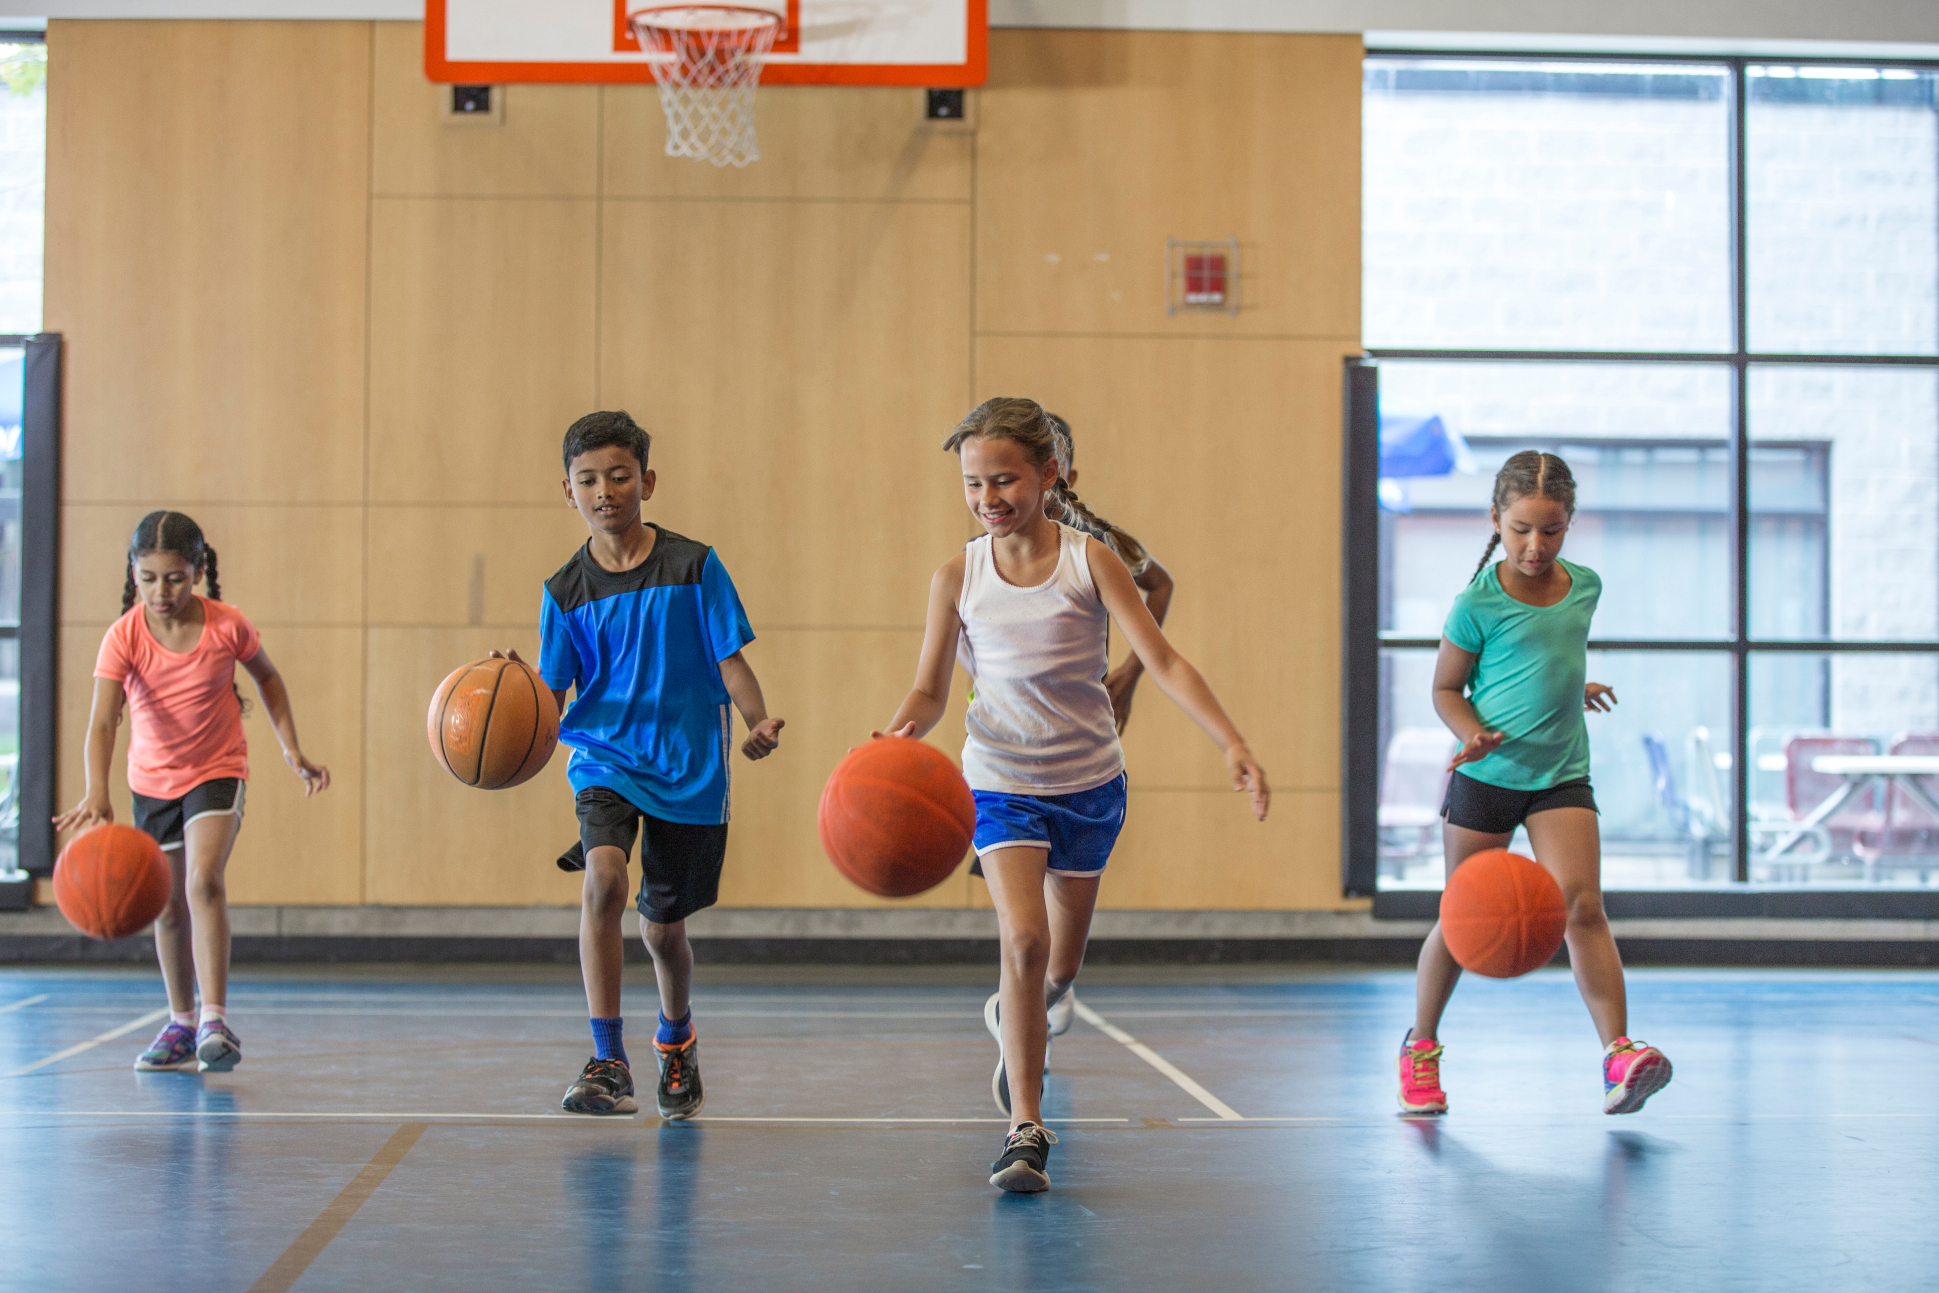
185, 722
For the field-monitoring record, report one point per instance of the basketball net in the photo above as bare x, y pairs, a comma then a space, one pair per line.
706, 59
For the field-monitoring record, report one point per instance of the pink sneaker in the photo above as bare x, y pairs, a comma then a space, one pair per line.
1632, 1072
1420, 1077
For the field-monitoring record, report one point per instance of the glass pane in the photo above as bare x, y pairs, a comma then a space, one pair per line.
1660, 764
1546, 205
1843, 751
1650, 449
1843, 210
23, 182
1844, 502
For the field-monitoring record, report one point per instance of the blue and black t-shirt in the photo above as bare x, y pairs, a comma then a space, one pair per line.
651, 719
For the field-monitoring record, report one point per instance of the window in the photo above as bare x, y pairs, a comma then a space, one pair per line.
1713, 287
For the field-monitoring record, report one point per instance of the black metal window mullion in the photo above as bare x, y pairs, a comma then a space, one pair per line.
1740, 502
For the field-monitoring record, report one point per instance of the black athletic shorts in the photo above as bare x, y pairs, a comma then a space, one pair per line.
165, 820
1478, 806
679, 861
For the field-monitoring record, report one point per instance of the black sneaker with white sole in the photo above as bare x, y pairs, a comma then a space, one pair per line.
1026, 1158
680, 1094
604, 1087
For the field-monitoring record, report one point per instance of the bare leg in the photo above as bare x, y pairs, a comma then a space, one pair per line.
1017, 878
1568, 844
1069, 901
209, 841
174, 946
1438, 971
601, 900
672, 965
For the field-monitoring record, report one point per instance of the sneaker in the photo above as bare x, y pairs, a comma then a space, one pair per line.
990, 1020
1026, 1153
1000, 1087
604, 1086
1632, 1072
1063, 1013
216, 1048
680, 1094
173, 1049
1420, 1076
574, 858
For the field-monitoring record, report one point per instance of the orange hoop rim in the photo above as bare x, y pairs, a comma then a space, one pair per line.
754, 20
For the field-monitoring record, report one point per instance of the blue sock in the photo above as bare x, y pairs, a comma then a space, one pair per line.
672, 1034
606, 1043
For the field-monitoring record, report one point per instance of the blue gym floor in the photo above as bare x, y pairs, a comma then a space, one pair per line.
399, 1128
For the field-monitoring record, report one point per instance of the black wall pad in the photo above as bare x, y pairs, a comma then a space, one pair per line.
40, 574
1360, 630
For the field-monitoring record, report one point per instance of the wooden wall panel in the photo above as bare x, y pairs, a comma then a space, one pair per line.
468, 565
206, 205
799, 365
1093, 147
481, 345
547, 145
1202, 850
281, 564
858, 143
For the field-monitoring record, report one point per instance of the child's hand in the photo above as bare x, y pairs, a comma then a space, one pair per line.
1479, 746
1599, 698
907, 729
508, 654
89, 812
1247, 775
316, 778
1122, 683
763, 738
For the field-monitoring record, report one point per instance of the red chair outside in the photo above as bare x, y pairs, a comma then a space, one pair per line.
1805, 789
1909, 837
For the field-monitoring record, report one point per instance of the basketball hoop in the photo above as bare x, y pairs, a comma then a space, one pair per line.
706, 59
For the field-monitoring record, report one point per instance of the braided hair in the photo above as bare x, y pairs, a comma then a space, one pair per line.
1528, 474
1073, 510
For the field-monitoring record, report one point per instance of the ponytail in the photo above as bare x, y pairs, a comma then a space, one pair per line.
210, 580
1528, 474
1129, 550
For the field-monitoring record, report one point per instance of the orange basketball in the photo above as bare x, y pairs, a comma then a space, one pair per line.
493, 724
1502, 914
896, 817
111, 881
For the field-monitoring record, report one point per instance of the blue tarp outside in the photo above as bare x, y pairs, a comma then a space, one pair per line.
1412, 447
13, 382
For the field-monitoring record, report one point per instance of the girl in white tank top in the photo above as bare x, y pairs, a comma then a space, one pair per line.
1024, 609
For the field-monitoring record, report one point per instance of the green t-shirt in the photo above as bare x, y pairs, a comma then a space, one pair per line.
1532, 662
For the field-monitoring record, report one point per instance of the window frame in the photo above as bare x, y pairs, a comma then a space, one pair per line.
1361, 570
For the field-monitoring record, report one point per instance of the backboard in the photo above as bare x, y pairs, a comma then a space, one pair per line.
822, 42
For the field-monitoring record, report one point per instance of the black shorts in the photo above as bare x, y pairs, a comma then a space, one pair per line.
165, 820
679, 861
1477, 806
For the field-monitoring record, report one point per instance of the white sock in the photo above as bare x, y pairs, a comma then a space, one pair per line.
214, 1013
186, 1018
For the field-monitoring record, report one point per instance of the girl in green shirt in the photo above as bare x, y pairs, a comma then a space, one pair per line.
1511, 683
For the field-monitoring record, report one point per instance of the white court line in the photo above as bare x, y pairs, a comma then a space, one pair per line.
108, 1036
1157, 1061
22, 1004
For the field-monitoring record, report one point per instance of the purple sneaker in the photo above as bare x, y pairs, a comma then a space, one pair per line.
216, 1048
173, 1049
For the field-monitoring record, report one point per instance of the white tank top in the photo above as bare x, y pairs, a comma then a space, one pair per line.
1041, 721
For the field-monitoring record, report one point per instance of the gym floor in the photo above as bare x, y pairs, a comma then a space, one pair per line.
1223, 1129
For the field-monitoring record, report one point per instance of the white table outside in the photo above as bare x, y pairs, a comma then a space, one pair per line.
1859, 772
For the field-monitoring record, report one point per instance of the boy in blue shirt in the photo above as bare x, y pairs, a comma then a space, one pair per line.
646, 627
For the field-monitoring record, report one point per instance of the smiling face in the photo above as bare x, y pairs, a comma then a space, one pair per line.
166, 583
607, 487
1531, 532
1004, 489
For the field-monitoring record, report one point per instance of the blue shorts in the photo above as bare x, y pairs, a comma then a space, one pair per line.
1079, 830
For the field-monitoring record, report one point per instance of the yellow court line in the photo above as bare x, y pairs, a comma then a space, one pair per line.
90, 1044
23, 1003
1157, 1061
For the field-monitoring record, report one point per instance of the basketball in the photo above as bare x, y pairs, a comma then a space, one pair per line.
896, 817
1502, 914
493, 724
111, 881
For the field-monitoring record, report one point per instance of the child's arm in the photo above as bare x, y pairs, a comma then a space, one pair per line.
1156, 584
103, 719
276, 699
1173, 673
763, 733
1452, 669
924, 705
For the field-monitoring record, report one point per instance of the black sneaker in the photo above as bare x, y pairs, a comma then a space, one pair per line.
1026, 1153
605, 1086
680, 1094
574, 858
